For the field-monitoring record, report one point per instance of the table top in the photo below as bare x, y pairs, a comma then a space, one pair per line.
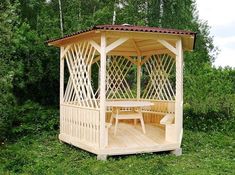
128, 103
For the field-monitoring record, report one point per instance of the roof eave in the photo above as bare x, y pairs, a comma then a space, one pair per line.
95, 32
72, 38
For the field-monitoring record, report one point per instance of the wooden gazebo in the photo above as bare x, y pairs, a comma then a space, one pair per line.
113, 73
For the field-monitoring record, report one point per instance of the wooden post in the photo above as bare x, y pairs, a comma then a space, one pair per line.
61, 76
138, 70
138, 81
179, 91
89, 96
102, 89
138, 77
61, 86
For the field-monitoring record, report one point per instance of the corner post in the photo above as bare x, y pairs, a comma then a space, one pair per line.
61, 86
61, 76
179, 91
138, 77
102, 89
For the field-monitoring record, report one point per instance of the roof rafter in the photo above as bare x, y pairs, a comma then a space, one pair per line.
168, 46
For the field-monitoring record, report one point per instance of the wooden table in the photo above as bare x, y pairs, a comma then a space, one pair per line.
134, 113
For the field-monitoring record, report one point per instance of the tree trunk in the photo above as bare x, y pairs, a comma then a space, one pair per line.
114, 12
61, 19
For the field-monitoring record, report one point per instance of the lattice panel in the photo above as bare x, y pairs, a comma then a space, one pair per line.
79, 90
159, 86
117, 85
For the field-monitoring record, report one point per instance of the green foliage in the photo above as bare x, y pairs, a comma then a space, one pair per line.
29, 79
32, 118
215, 90
7, 101
8, 20
133, 12
24, 64
203, 153
35, 64
210, 99
29, 70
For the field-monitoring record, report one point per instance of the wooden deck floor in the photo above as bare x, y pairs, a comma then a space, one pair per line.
130, 139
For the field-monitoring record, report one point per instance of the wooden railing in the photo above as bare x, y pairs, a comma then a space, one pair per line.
81, 123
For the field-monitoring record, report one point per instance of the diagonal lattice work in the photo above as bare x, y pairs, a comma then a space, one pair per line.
79, 89
117, 85
160, 85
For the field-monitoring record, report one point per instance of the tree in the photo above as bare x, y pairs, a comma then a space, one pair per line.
8, 20
29, 70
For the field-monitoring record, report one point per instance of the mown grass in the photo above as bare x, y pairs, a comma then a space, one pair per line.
203, 153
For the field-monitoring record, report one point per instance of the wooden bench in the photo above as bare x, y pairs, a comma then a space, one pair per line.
167, 119
107, 126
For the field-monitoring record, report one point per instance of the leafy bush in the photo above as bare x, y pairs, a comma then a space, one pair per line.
32, 118
210, 99
8, 20
7, 101
210, 121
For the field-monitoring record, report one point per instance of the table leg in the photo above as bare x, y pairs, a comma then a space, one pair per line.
115, 128
112, 113
142, 124
135, 120
116, 120
141, 119
111, 118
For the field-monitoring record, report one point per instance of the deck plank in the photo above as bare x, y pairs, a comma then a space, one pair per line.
131, 136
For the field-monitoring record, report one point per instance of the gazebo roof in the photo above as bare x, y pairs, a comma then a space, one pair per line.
140, 33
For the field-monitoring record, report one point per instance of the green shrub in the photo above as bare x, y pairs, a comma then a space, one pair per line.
7, 101
32, 118
210, 99
210, 121
8, 21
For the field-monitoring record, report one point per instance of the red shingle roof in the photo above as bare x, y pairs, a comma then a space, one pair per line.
143, 29
130, 28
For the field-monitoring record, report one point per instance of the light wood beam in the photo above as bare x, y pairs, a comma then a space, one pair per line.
116, 44
179, 91
145, 59
138, 77
102, 90
131, 60
64, 51
168, 46
96, 59
95, 45
61, 75
136, 48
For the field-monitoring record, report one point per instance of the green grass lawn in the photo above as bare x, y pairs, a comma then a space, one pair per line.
203, 153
